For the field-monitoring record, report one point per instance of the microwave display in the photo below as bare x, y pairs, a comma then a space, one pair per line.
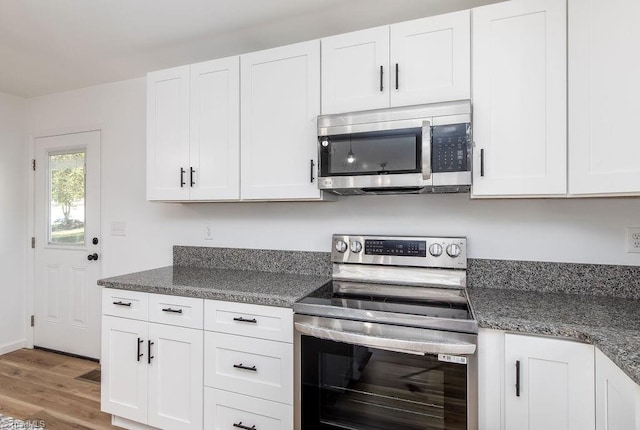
450, 150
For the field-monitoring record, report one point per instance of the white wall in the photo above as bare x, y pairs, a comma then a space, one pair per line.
13, 213
566, 230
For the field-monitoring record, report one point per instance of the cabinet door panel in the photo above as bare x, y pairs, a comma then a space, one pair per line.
280, 93
556, 384
215, 129
124, 376
434, 59
175, 377
603, 97
167, 133
519, 95
617, 397
351, 71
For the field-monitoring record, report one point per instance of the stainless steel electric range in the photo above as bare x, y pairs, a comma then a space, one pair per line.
390, 341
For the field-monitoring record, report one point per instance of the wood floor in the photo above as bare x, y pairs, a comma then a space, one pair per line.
39, 385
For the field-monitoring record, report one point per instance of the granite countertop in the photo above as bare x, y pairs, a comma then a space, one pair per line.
612, 324
247, 286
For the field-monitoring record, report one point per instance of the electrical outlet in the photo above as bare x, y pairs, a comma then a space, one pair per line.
118, 228
208, 232
633, 239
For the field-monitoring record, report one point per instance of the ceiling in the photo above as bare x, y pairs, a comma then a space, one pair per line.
48, 46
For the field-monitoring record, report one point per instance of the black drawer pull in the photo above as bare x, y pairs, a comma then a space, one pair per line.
128, 304
240, 426
175, 311
240, 366
140, 341
247, 320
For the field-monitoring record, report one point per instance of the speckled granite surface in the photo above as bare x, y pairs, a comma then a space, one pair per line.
247, 286
8, 423
264, 260
610, 323
591, 279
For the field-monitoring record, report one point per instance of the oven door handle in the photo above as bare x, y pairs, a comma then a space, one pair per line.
426, 150
409, 346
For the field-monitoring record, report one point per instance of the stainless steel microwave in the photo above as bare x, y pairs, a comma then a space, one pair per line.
414, 149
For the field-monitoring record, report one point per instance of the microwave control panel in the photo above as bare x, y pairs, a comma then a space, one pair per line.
451, 148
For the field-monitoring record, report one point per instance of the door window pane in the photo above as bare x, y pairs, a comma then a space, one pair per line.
67, 198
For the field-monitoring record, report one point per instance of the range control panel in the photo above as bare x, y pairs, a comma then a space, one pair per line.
436, 252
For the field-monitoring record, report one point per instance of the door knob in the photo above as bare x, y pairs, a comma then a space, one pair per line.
93, 256
95, 241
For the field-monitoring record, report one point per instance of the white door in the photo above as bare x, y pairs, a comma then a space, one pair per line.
124, 386
215, 130
355, 71
175, 377
555, 386
519, 99
168, 169
280, 102
617, 397
67, 243
431, 59
604, 66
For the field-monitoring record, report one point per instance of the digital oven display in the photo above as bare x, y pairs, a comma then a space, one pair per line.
402, 248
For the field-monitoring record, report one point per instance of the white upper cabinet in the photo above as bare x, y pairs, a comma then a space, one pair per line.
193, 132
414, 62
430, 59
604, 65
280, 100
355, 71
168, 134
519, 99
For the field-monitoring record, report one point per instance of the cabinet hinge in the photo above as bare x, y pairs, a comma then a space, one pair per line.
33, 320
33, 164
33, 242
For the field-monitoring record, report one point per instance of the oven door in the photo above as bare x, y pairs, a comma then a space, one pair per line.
360, 378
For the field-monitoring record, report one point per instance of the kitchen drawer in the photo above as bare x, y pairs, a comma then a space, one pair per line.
223, 409
263, 322
175, 310
255, 367
124, 303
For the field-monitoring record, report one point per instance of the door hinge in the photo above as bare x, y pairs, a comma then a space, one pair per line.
33, 242
33, 320
33, 164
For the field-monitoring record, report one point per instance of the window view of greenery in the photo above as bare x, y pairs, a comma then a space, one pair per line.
66, 212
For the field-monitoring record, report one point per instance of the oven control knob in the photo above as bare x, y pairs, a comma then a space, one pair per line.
435, 250
356, 246
453, 250
341, 246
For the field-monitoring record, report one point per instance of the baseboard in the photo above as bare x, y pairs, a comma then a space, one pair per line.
10, 347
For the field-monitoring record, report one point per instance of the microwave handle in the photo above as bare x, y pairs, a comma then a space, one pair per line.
426, 150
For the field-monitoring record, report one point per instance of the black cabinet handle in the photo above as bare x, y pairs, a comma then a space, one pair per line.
518, 378
241, 366
175, 311
311, 165
397, 78
381, 74
240, 319
120, 303
240, 426
482, 162
149, 356
139, 354
181, 177
191, 176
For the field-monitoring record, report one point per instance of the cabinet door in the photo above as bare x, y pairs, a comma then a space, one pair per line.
617, 397
124, 368
280, 94
215, 130
519, 97
431, 59
168, 134
603, 97
175, 377
556, 384
355, 71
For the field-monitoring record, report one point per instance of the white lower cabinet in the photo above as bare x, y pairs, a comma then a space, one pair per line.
225, 410
617, 397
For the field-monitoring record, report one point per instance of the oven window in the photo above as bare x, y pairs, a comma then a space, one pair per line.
372, 153
353, 387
